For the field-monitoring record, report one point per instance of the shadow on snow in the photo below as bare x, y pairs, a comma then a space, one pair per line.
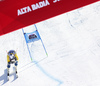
4, 77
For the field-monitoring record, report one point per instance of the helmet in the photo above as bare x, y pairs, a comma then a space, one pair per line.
11, 53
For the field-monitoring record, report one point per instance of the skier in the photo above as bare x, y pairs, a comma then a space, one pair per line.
12, 58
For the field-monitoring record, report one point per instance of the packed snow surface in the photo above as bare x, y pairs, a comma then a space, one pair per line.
72, 41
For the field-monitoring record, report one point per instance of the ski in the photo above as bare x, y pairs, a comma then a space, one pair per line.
16, 74
7, 77
7, 74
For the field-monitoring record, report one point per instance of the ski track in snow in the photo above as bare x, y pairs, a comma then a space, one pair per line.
72, 41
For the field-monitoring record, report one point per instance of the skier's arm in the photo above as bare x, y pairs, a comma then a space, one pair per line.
16, 57
8, 60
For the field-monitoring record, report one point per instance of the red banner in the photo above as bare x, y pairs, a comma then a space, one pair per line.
16, 14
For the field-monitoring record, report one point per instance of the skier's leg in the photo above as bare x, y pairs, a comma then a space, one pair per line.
16, 63
8, 66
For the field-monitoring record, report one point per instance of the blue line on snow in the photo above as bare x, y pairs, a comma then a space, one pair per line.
50, 76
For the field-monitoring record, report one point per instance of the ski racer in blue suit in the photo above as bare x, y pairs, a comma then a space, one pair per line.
12, 58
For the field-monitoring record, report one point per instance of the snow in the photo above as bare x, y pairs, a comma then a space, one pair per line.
72, 41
